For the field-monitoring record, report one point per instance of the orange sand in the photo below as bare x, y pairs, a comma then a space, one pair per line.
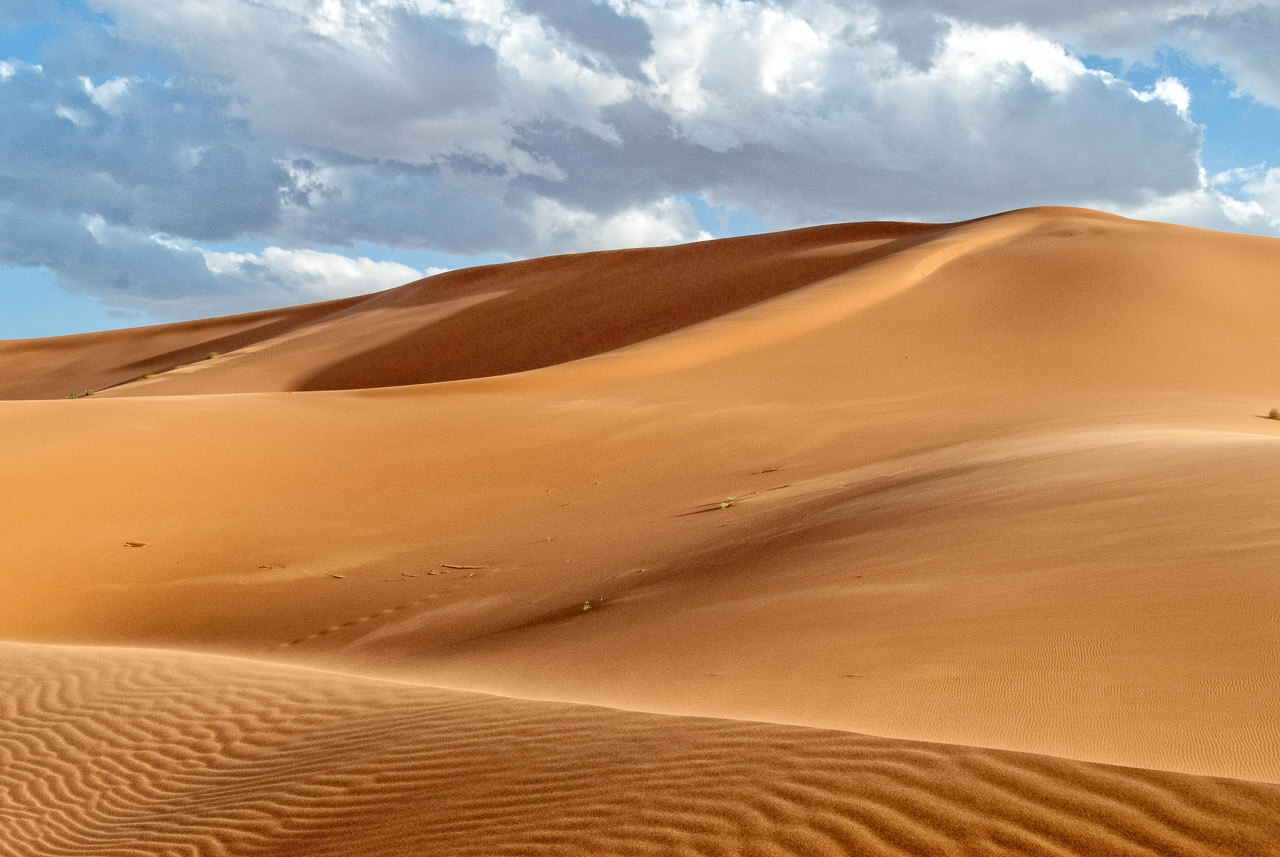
1005, 484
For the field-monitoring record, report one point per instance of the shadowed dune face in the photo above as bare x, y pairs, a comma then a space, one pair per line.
464, 324
58, 367
1082, 300
1007, 483
163, 753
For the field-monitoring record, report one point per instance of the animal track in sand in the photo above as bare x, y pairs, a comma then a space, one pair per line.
384, 612
351, 623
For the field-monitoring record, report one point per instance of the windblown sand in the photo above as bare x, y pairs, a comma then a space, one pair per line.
863, 539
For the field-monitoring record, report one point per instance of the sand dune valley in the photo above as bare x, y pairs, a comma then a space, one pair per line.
865, 539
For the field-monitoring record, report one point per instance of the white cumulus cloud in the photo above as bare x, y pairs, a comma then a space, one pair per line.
521, 127
312, 275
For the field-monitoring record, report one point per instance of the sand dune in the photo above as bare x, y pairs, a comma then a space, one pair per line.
463, 324
143, 752
1006, 484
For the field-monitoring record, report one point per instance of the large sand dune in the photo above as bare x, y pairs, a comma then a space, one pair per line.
1005, 486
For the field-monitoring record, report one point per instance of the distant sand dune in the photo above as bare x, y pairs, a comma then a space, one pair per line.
464, 324
1003, 484
131, 752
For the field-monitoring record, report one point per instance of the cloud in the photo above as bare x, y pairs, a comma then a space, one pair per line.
1237, 35
310, 274
170, 279
528, 126
1242, 41
797, 112
666, 221
624, 41
1000, 119
1249, 198
139, 153
1171, 91
370, 80
122, 267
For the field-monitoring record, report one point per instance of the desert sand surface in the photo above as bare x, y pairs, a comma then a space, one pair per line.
883, 538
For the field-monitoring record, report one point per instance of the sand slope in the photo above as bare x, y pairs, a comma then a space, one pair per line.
1006, 484
463, 324
141, 752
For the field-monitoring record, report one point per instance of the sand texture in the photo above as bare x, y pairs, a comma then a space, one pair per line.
884, 538
145, 752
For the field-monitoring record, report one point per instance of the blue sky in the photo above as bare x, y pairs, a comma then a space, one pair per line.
161, 161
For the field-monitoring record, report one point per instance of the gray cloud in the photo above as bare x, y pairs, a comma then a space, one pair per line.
1243, 42
421, 207
536, 126
138, 272
647, 159
1019, 146
364, 79
159, 157
916, 32
122, 268
87, 48
1239, 35
596, 26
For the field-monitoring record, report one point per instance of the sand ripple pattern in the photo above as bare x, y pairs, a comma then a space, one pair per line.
110, 752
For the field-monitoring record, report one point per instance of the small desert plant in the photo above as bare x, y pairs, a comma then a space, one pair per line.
1274, 415
213, 354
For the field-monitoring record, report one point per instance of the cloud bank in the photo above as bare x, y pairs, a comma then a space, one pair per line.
148, 135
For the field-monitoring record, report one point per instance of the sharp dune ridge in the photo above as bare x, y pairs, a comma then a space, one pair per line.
633, 553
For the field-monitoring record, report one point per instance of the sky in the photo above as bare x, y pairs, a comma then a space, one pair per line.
170, 160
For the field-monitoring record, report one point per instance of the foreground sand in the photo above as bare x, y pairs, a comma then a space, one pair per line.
1005, 484
144, 752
